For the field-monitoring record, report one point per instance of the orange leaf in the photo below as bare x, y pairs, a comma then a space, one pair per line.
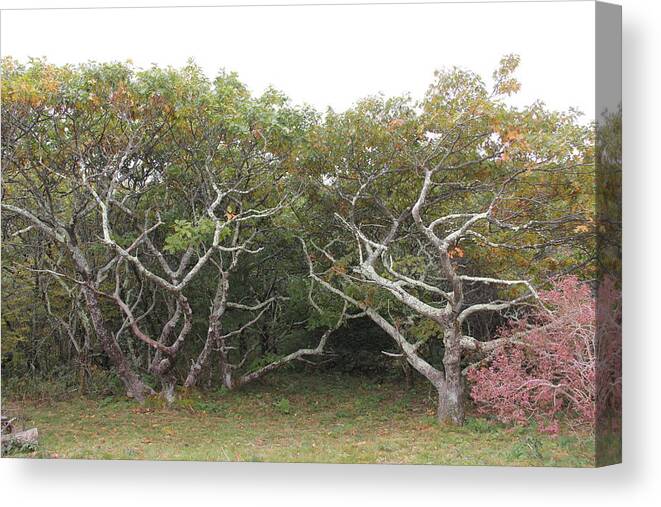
457, 251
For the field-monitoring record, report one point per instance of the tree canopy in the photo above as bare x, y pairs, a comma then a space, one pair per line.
183, 232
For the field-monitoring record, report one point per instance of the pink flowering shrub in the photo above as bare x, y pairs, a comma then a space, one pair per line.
547, 366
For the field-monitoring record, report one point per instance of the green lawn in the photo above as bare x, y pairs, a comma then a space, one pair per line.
291, 418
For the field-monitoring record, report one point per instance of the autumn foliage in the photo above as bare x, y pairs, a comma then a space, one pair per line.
547, 368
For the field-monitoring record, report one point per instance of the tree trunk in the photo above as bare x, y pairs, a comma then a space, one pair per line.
450, 392
450, 407
134, 386
408, 374
448, 384
267, 342
168, 383
83, 371
225, 370
198, 364
213, 332
225, 367
84, 357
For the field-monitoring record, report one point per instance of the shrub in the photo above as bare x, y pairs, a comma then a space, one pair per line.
283, 406
62, 384
546, 367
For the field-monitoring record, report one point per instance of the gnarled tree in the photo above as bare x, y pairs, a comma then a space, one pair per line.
440, 209
143, 183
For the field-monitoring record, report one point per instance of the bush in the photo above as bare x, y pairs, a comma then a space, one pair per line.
283, 406
62, 384
547, 370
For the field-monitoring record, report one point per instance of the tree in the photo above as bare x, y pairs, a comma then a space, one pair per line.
439, 209
54, 121
147, 207
141, 182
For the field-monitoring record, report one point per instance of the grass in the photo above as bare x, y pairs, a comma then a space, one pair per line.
291, 418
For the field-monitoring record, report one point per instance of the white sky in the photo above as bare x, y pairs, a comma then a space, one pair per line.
331, 55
